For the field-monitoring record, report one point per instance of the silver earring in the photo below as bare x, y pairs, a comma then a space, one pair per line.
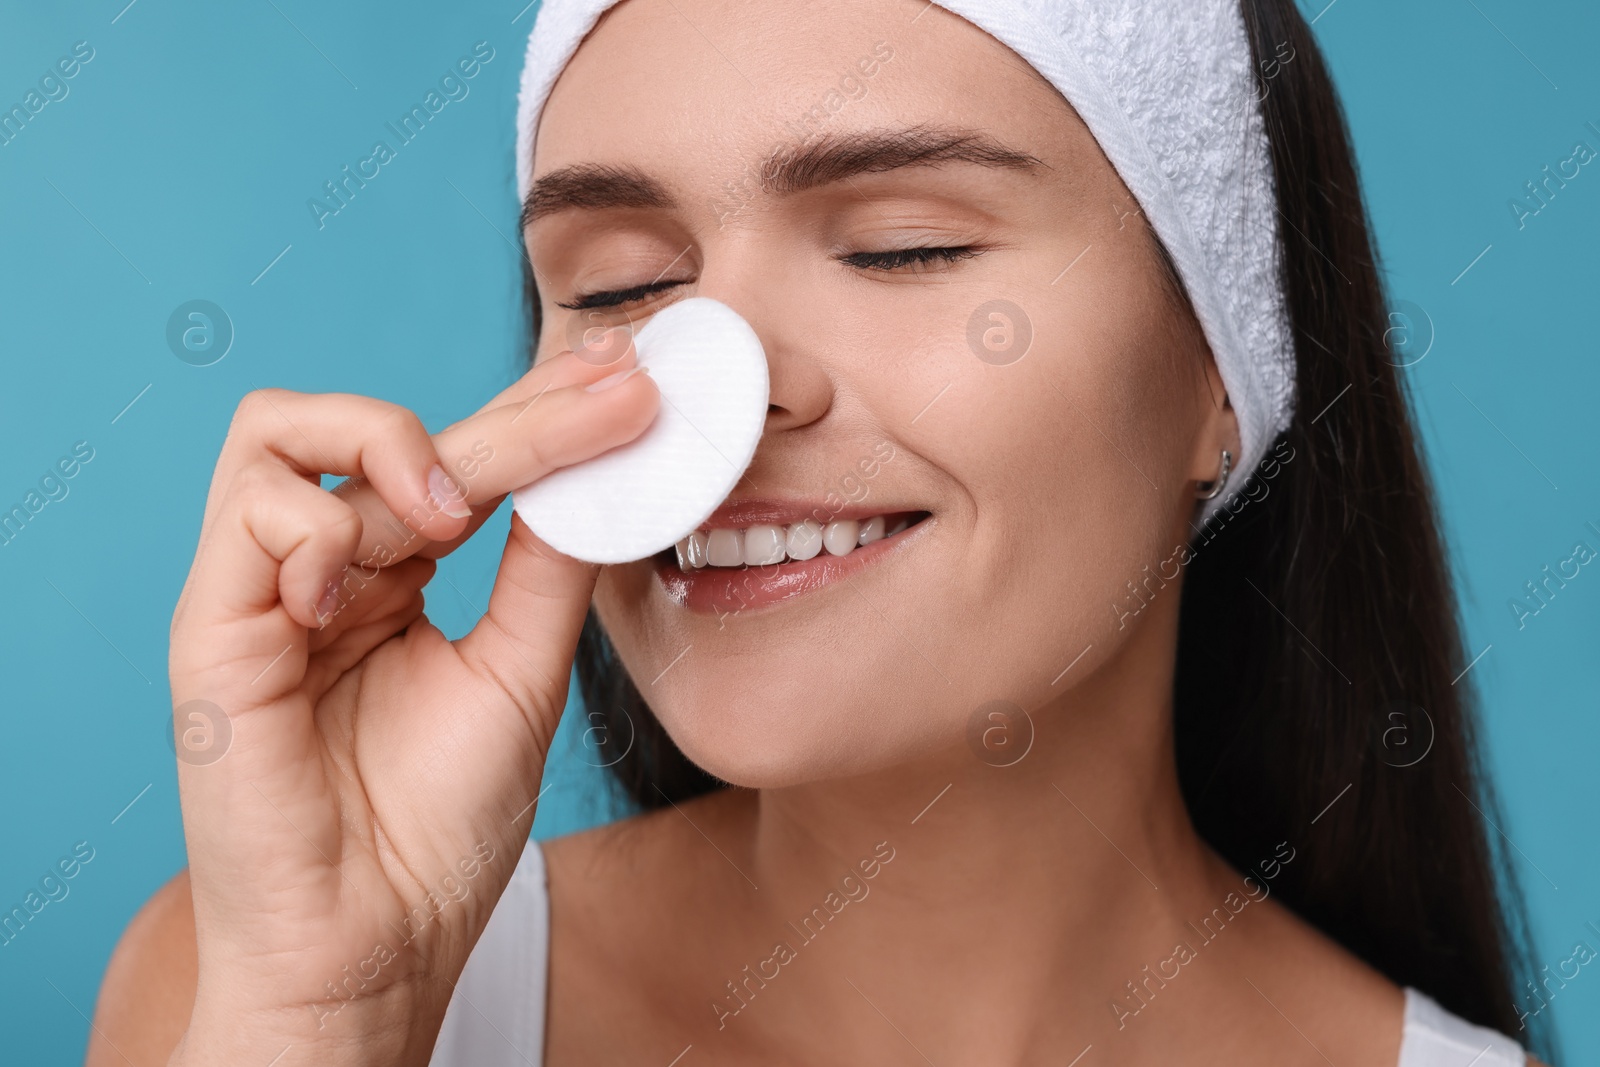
1222, 477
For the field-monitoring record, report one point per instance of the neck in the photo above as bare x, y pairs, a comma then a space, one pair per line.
1053, 881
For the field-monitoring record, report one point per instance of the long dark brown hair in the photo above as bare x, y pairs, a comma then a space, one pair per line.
1319, 696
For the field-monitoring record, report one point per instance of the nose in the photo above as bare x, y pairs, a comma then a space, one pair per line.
800, 387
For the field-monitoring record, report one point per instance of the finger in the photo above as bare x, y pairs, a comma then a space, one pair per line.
504, 448
365, 598
277, 540
517, 444
606, 352
339, 433
525, 642
356, 642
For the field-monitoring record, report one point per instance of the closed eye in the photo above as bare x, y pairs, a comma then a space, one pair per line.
904, 257
892, 259
615, 297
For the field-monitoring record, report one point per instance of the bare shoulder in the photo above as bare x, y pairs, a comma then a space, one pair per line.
148, 991
1303, 990
1325, 988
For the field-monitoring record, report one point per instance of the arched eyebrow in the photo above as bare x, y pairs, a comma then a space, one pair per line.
787, 169
594, 187
838, 157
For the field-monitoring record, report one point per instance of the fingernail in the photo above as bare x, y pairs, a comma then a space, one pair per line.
442, 489
329, 604
607, 346
614, 379
608, 337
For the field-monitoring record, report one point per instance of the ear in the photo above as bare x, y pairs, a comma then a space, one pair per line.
1219, 429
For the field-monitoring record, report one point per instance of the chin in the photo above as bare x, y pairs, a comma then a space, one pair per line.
787, 741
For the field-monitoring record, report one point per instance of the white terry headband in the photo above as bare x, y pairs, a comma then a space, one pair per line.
1167, 88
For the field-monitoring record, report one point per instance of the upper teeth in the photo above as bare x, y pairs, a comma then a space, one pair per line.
765, 544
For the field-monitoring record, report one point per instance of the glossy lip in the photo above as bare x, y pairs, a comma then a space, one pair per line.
726, 590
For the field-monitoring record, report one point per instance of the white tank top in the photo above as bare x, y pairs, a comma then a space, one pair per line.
496, 1015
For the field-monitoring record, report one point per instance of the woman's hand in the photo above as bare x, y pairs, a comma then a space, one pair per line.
356, 789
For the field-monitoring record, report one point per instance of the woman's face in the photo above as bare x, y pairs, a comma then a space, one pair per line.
1037, 403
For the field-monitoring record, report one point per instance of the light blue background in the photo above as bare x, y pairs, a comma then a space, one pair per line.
179, 167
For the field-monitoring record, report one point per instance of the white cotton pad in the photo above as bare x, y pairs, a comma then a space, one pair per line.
639, 498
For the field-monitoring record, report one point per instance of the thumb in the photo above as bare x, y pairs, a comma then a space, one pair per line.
525, 642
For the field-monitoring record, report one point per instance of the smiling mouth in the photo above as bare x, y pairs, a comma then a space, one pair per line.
754, 553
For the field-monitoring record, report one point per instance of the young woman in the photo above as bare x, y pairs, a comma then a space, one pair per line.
1115, 725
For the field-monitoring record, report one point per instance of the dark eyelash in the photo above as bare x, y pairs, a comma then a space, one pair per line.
903, 257
889, 260
614, 297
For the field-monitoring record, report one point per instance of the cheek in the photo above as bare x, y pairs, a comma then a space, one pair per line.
1072, 462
